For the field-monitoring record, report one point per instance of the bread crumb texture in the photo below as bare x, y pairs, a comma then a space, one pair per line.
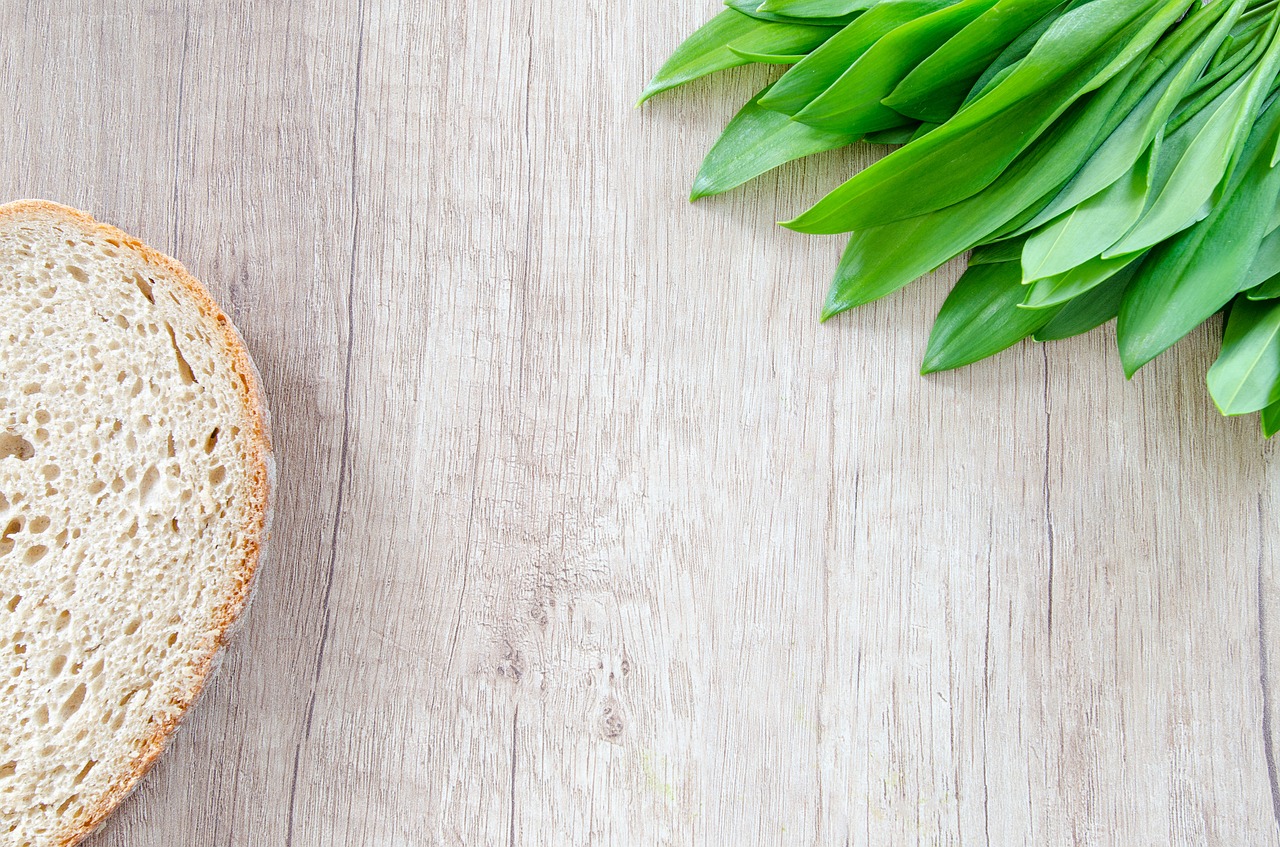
131, 505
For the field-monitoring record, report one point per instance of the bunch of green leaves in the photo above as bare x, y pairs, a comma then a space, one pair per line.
1102, 159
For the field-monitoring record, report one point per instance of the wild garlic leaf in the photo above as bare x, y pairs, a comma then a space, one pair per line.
1271, 420
934, 90
1082, 233
768, 58
981, 317
815, 8
1246, 376
756, 141
1265, 266
840, 17
1009, 58
708, 49
825, 65
1089, 310
852, 103
1183, 196
1208, 160
898, 135
1000, 251
1055, 290
1269, 289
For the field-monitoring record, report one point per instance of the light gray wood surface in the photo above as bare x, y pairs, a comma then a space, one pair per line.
588, 532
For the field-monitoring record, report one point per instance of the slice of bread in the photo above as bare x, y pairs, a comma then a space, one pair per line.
135, 478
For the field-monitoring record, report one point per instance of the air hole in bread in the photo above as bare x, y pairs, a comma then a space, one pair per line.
88, 766
13, 446
184, 369
74, 701
145, 287
147, 487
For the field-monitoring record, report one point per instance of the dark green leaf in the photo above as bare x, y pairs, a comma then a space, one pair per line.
1271, 420
825, 65
1000, 251
896, 135
981, 317
1090, 310
934, 90
853, 102
815, 8
769, 58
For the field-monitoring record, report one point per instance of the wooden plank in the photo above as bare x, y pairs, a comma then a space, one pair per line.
588, 532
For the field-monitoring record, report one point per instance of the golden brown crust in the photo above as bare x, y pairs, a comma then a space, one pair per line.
256, 422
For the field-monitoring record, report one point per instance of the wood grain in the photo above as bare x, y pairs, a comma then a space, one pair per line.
588, 532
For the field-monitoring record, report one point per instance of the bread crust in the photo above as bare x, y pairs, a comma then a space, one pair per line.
256, 422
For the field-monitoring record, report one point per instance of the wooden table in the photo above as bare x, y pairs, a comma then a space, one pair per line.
588, 532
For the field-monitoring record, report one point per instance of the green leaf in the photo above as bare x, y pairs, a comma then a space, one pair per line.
1009, 58
934, 90
1268, 290
1246, 377
756, 141
1000, 251
1271, 420
895, 135
710, 49
852, 103
1188, 278
970, 151
1183, 196
1089, 310
1055, 290
981, 317
826, 64
769, 58
1083, 233
815, 8
1266, 264
841, 17
1209, 159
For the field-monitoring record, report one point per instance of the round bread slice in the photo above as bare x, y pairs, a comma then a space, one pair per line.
135, 478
